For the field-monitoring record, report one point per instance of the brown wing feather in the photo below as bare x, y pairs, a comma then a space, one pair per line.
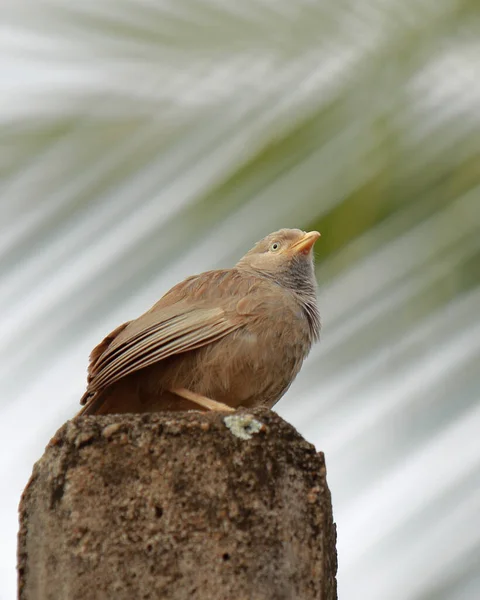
198, 311
179, 334
102, 347
184, 319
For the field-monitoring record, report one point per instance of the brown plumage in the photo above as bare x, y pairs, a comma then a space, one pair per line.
237, 336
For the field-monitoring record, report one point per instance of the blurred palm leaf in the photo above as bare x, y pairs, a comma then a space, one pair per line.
144, 141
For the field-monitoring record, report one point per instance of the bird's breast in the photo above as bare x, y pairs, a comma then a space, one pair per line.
257, 363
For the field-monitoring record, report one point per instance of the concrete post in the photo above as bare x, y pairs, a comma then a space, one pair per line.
178, 506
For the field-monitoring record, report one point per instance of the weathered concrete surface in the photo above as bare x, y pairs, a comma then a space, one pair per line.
177, 506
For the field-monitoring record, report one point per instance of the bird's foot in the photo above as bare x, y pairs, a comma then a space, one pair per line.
202, 400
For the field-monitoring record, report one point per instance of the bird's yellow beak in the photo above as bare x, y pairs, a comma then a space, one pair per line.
305, 244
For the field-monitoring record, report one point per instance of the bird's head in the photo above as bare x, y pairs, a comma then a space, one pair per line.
285, 256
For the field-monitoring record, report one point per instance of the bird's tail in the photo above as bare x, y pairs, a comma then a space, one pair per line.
93, 403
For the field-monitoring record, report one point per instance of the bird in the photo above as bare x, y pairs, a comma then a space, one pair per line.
220, 340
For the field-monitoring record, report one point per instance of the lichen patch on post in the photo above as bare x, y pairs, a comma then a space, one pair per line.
243, 426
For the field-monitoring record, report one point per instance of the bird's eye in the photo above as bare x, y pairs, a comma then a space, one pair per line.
275, 247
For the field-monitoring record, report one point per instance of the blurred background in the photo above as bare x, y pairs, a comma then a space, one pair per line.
144, 141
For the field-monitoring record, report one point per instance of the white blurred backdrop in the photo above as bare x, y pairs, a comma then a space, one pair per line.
146, 141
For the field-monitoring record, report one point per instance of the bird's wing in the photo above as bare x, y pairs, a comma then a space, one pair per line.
100, 348
157, 335
198, 311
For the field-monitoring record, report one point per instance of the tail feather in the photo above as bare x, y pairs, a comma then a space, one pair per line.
120, 399
92, 403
